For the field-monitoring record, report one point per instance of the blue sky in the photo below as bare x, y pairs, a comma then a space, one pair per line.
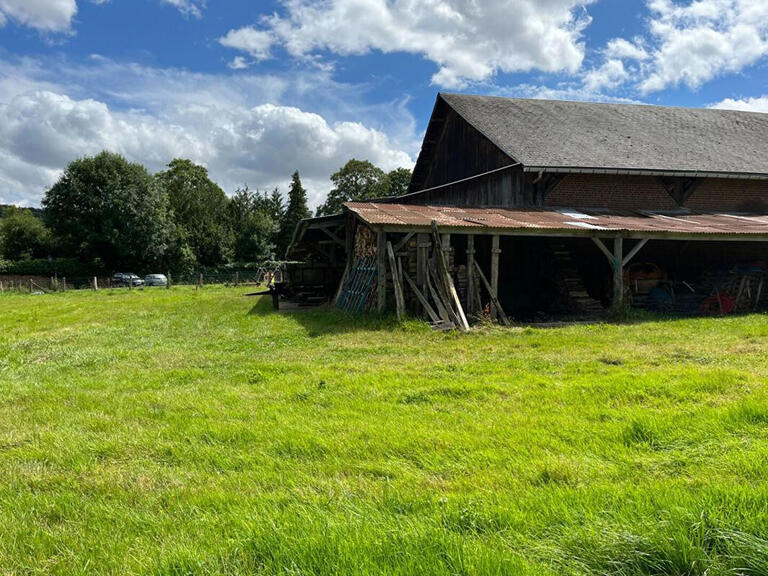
256, 89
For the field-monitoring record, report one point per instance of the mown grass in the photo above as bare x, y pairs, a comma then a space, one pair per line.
182, 432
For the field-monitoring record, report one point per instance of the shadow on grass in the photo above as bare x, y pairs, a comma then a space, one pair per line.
327, 319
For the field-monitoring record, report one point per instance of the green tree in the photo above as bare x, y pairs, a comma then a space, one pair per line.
356, 180
253, 225
104, 207
23, 235
399, 180
361, 180
199, 211
296, 211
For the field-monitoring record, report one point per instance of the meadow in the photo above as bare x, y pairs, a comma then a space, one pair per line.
184, 432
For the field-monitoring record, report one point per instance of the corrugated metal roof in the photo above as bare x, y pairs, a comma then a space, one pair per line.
577, 221
594, 137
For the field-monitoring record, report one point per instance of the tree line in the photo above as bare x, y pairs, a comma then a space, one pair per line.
108, 213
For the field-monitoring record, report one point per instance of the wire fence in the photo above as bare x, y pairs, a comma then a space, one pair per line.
262, 276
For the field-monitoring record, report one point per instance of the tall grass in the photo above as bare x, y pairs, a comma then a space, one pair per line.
198, 432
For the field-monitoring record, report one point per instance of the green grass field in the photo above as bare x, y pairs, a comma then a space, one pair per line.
182, 432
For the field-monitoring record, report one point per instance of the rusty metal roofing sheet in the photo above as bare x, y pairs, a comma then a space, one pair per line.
560, 219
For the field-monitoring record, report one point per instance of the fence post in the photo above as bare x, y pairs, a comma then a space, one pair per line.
168, 283
95, 284
64, 284
237, 279
30, 285
200, 280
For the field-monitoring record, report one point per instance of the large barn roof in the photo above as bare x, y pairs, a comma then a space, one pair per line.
624, 138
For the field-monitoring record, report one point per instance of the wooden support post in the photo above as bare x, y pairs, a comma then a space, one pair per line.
237, 278
496, 305
168, 281
422, 261
200, 280
445, 244
95, 284
618, 274
450, 288
396, 282
381, 265
470, 274
495, 251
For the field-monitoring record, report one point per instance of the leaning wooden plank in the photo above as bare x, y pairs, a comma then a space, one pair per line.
399, 300
492, 294
437, 299
424, 302
447, 280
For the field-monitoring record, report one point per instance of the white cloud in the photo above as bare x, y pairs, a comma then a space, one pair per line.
238, 63
189, 7
610, 75
43, 15
756, 104
255, 42
624, 49
468, 40
701, 40
237, 127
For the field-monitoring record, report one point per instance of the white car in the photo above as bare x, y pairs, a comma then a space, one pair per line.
155, 280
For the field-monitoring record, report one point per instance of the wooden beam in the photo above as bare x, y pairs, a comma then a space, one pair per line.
404, 241
398, 287
492, 293
422, 264
424, 302
618, 274
445, 244
381, 259
333, 237
604, 250
495, 251
586, 233
635, 249
470, 274
447, 280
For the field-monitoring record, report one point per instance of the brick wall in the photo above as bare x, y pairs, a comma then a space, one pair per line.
716, 194
619, 192
616, 192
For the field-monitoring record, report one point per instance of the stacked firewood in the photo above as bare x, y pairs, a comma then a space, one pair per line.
365, 243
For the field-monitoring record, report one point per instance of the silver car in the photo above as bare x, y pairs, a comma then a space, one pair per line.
155, 280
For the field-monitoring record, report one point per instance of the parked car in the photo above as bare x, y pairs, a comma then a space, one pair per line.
126, 279
155, 280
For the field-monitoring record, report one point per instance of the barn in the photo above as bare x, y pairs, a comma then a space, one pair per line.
534, 208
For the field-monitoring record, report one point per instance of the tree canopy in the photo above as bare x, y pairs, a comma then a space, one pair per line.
104, 207
361, 180
199, 212
296, 211
22, 235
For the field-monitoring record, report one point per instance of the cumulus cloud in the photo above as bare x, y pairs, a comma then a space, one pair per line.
610, 74
466, 39
624, 49
706, 38
756, 104
687, 43
257, 43
43, 15
43, 126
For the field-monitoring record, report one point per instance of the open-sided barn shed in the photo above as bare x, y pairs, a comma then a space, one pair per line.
566, 207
